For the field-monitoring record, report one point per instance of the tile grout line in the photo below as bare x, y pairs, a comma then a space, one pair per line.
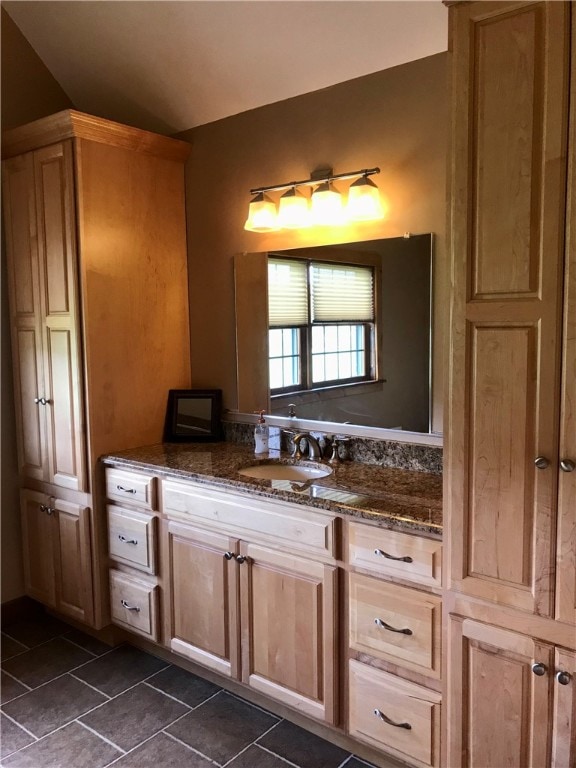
96, 690
180, 701
195, 751
252, 743
95, 655
283, 759
111, 743
16, 681
20, 726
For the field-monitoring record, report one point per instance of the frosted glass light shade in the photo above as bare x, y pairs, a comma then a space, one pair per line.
262, 215
327, 205
293, 211
364, 202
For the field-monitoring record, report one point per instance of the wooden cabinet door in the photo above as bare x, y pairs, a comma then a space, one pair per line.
508, 188
288, 609
201, 596
38, 547
564, 728
26, 314
73, 561
54, 180
498, 709
566, 564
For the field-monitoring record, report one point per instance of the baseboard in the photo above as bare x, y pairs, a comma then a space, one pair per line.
20, 609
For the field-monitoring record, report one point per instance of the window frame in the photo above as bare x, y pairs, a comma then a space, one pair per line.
370, 334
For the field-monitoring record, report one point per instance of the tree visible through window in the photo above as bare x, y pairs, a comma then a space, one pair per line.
321, 324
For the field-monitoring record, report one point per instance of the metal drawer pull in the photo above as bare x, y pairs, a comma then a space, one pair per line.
381, 716
130, 607
228, 555
44, 508
126, 490
383, 625
127, 541
381, 553
541, 462
563, 677
567, 465
242, 559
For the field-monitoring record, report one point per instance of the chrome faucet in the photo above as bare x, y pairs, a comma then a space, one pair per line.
314, 449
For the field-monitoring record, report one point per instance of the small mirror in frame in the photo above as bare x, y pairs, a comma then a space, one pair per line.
193, 415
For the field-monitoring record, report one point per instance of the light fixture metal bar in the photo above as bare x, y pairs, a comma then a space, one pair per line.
316, 181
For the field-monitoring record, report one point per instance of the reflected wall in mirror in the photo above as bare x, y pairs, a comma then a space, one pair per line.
399, 396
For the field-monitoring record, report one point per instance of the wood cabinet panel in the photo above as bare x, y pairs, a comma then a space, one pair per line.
57, 554
507, 150
132, 538
498, 706
394, 554
74, 562
201, 597
509, 147
394, 715
134, 604
395, 623
288, 610
564, 732
38, 548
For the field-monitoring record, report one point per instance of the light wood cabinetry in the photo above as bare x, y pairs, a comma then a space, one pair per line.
510, 436
266, 615
95, 231
57, 554
398, 627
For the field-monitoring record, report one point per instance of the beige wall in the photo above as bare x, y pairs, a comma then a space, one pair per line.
395, 119
28, 92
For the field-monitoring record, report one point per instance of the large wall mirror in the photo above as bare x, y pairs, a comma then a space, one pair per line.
397, 392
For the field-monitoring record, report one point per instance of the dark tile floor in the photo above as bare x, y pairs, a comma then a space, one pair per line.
69, 701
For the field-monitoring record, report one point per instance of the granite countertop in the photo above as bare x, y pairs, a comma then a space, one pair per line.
394, 498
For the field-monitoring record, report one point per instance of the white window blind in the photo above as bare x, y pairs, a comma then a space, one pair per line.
287, 292
342, 292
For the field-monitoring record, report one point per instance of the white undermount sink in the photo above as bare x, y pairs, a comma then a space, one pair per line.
298, 472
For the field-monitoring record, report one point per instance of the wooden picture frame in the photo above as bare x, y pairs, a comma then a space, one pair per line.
193, 415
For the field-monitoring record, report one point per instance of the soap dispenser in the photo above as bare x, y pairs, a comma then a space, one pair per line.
261, 435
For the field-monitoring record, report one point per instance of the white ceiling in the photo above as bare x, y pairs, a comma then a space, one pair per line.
169, 66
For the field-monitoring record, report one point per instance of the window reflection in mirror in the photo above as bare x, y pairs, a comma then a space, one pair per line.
396, 394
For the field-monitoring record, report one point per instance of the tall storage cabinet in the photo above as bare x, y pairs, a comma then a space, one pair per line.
94, 216
511, 430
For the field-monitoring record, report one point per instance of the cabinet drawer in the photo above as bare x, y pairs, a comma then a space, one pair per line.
400, 555
393, 714
132, 538
396, 623
131, 487
134, 604
269, 521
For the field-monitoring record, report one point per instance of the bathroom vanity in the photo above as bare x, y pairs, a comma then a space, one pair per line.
318, 596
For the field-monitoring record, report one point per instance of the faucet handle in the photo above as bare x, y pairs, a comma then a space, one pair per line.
337, 441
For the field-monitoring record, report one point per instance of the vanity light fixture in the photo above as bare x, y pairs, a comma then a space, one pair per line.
325, 207
293, 211
261, 214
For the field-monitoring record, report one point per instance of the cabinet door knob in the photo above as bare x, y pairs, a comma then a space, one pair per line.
381, 716
563, 677
390, 628
541, 462
228, 555
130, 607
539, 669
241, 559
381, 553
567, 465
